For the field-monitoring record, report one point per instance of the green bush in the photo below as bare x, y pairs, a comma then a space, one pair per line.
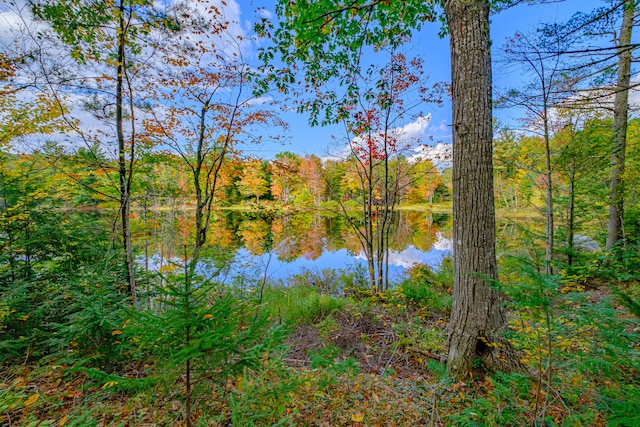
200, 335
425, 288
581, 346
88, 333
263, 397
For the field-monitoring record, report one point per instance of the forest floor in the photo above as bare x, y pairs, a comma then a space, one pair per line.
369, 360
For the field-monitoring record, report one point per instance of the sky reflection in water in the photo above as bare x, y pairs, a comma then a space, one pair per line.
399, 261
282, 246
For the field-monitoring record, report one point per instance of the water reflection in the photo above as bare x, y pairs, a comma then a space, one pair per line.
279, 246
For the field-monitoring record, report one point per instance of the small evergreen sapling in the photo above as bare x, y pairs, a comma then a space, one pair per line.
201, 336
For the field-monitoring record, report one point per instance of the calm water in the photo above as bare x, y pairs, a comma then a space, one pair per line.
283, 245
399, 261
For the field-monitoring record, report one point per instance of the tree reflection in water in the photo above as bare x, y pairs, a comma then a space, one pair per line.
283, 245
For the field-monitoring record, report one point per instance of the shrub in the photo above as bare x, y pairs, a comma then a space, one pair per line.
201, 335
424, 288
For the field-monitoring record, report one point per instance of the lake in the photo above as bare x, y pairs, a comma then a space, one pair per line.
279, 246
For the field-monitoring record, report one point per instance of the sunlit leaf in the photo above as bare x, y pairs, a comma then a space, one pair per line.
31, 399
109, 384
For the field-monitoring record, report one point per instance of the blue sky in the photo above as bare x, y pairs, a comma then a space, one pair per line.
304, 139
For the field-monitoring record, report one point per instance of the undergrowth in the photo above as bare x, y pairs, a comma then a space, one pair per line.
349, 357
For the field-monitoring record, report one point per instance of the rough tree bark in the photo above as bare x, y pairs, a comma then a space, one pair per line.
477, 318
620, 120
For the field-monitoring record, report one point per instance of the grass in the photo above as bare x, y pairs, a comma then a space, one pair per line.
357, 359
441, 208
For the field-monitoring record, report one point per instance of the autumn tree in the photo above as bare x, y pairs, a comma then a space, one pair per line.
329, 38
548, 87
205, 107
375, 174
425, 181
285, 169
113, 38
253, 182
28, 108
311, 174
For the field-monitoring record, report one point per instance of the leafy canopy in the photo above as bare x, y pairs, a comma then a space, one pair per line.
329, 37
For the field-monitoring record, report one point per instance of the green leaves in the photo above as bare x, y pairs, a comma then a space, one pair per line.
88, 26
78, 24
328, 38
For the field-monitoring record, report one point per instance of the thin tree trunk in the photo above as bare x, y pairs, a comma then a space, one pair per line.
477, 318
548, 254
571, 214
620, 120
187, 340
146, 248
369, 222
125, 198
28, 256
12, 266
201, 200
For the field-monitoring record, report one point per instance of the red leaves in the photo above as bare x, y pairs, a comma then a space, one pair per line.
373, 115
372, 140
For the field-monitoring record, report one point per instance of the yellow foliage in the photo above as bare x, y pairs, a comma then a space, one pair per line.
357, 417
31, 399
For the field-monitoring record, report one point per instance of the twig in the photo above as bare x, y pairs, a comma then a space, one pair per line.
296, 361
26, 359
391, 358
435, 415
430, 355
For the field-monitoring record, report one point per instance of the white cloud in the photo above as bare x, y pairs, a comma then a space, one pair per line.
12, 23
600, 101
261, 100
264, 13
441, 155
405, 137
411, 255
20, 33
443, 127
231, 43
442, 243
407, 258
337, 155
413, 131
634, 94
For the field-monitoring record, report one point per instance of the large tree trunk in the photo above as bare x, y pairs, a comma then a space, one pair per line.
620, 118
477, 318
